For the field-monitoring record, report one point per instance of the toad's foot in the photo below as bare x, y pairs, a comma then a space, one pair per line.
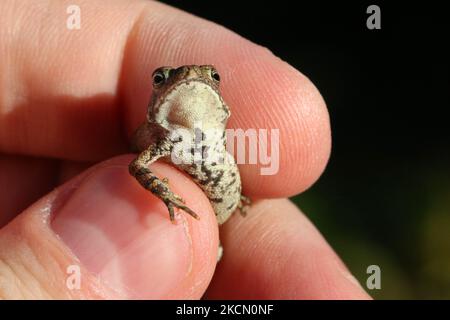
165, 180
173, 200
244, 205
160, 188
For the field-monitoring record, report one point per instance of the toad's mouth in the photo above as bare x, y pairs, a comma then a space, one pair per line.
192, 82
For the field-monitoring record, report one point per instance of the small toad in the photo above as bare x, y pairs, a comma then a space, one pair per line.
185, 126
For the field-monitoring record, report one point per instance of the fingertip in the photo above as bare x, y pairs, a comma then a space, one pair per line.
276, 253
288, 106
124, 235
116, 234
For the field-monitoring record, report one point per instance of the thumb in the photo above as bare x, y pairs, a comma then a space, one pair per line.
101, 235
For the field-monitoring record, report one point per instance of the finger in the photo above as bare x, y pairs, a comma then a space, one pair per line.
276, 253
22, 181
103, 86
70, 169
105, 233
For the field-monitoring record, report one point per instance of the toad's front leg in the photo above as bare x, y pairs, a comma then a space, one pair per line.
139, 169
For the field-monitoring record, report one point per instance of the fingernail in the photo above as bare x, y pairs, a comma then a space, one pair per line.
124, 236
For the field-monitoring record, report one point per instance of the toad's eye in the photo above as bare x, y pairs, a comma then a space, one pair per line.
158, 78
215, 75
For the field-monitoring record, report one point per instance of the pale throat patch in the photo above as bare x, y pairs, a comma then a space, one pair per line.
188, 104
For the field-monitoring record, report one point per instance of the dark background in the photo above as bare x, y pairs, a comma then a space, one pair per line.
385, 196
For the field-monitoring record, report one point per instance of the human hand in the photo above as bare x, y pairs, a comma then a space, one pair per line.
70, 98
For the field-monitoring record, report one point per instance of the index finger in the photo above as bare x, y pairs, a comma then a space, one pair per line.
78, 94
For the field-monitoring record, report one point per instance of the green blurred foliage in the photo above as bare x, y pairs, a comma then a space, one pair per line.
403, 227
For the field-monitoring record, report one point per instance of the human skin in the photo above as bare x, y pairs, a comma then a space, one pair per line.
70, 99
